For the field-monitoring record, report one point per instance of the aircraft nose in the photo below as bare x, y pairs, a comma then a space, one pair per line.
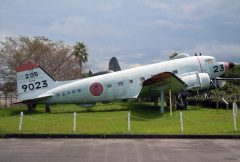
229, 65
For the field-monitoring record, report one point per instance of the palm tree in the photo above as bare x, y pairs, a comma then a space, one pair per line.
81, 54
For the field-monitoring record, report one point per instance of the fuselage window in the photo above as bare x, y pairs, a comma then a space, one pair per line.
68, 92
63, 94
120, 83
79, 90
58, 94
130, 81
73, 91
109, 85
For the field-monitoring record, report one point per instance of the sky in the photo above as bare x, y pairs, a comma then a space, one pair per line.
137, 32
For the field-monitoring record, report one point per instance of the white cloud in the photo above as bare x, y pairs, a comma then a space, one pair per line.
135, 65
194, 10
135, 56
83, 27
222, 51
191, 10
136, 32
99, 56
170, 24
3, 35
105, 8
103, 50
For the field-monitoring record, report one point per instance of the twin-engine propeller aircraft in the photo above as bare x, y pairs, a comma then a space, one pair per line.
183, 75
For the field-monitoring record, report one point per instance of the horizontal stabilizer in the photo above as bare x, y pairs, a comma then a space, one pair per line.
35, 99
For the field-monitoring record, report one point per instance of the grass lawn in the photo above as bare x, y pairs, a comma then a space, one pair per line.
112, 119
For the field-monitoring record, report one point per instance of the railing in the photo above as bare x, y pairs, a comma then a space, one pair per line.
79, 123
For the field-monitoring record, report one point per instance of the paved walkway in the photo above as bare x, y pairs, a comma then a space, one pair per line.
119, 150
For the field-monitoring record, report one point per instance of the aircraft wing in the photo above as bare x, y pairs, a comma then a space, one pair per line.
35, 99
162, 81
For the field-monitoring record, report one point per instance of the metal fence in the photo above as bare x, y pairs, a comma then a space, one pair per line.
6, 101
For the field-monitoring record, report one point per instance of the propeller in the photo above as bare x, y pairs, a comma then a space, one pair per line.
229, 65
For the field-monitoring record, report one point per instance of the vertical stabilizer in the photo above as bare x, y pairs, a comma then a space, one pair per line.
114, 65
32, 81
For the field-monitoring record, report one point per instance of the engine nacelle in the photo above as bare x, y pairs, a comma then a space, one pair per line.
197, 81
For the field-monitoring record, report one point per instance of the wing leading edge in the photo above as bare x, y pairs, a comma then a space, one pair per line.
162, 81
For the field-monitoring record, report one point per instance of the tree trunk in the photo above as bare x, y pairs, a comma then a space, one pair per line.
80, 68
6, 100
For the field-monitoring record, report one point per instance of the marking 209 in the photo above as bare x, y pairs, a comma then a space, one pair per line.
218, 68
31, 75
36, 85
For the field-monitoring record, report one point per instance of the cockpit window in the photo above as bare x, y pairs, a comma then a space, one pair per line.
209, 61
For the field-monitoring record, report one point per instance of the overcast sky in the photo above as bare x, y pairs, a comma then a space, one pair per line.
137, 32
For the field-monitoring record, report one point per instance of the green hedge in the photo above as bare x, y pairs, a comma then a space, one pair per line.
207, 102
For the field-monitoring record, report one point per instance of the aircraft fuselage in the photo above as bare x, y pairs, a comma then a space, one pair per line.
123, 84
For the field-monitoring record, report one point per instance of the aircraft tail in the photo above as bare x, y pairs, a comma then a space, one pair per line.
114, 65
32, 81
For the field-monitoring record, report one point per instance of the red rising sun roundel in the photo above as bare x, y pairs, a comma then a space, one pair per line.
96, 89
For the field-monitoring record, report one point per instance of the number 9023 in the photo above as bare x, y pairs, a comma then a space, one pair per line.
36, 85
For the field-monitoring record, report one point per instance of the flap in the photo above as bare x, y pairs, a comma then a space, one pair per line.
162, 81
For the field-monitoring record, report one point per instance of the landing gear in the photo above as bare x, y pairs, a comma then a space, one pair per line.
31, 107
48, 109
181, 103
155, 102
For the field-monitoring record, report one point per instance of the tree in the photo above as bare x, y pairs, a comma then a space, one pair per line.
53, 56
8, 88
81, 55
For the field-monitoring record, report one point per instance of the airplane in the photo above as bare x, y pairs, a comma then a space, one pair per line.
183, 75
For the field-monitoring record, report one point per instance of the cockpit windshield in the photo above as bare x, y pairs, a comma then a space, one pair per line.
210, 61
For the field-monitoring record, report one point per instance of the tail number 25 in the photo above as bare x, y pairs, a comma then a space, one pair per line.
36, 85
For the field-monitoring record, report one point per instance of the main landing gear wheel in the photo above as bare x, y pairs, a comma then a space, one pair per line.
48, 109
181, 103
31, 107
